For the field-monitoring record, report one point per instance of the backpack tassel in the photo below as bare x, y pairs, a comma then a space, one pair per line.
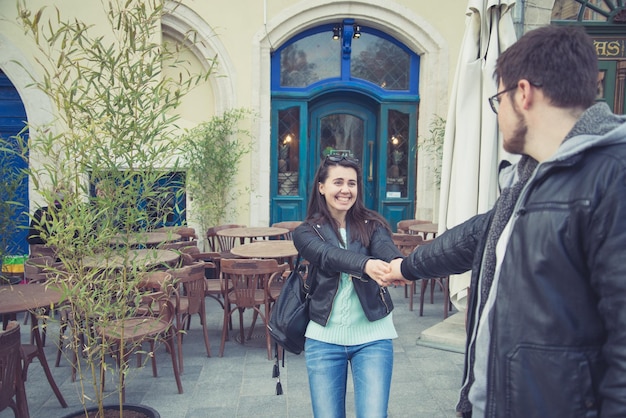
276, 372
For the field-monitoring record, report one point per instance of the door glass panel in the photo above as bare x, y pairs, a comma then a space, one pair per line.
310, 59
288, 151
380, 61
341, 132
397, 153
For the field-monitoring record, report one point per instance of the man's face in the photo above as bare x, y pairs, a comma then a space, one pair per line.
512, 123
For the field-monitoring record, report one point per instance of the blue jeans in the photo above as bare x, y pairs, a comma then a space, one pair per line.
327, 366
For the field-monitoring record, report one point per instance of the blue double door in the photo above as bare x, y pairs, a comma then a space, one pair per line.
381, 136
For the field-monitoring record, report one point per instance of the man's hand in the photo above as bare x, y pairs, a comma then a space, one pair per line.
395, 277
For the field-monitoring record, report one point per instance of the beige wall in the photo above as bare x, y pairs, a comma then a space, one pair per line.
241, 34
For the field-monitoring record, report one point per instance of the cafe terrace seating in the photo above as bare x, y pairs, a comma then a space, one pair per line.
11, 382
38, 250
157, 324
402, 226
406, 243
214, 287
189, 300
186, 233
219, 244
290, 225
35, 272
249, 280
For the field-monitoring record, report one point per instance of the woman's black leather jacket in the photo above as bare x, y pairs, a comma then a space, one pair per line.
318, 244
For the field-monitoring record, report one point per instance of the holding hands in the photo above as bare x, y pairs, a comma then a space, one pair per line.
385, 274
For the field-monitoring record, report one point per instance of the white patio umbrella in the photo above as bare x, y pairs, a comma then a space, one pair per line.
471, 148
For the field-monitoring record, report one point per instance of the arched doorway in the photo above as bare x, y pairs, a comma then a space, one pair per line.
344, 88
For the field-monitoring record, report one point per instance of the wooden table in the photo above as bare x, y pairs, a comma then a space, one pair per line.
146, 239
30, 297
148, 257
252, 232
425, 229
278, 249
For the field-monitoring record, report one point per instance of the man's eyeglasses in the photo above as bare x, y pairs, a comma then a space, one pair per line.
339, 158
494, 101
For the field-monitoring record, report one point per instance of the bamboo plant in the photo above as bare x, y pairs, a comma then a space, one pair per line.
215, 149
115, 127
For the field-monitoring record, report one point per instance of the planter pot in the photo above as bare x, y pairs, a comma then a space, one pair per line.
130, 411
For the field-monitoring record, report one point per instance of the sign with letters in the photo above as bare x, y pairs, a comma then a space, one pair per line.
610, 47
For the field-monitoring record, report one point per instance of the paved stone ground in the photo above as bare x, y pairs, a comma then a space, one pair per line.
240, 384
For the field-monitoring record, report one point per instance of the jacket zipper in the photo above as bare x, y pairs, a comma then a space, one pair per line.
382, 291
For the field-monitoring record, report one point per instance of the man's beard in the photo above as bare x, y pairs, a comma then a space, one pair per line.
516, 143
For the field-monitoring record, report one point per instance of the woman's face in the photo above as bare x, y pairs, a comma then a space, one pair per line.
339, 190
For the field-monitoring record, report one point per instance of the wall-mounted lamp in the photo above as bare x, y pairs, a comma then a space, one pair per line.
336, 33
395, 140
340, 31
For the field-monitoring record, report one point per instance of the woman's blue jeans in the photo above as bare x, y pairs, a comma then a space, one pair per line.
327, 365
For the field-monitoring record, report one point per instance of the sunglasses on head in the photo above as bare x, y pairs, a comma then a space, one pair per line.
339, 158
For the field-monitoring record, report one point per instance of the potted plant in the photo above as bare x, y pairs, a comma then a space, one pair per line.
216, 147
114, 132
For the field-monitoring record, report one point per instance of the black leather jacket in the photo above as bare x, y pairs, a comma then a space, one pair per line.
558, 336
327, 261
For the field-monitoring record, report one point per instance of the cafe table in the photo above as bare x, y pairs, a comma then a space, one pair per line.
278, 248
425, 229
146, 239
252, 232
31, 297
147, 257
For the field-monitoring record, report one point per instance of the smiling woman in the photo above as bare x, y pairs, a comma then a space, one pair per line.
340, 190
348, 248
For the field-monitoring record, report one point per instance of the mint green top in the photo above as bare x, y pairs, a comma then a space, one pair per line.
348, 324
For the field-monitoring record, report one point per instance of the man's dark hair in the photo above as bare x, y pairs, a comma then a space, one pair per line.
561, 60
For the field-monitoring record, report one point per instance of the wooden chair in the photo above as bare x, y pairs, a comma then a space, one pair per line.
249, 279
36, 270
219, 244
156, 324
290, 225
406, 243
39, 250
11, 381
444, 284
189, 301
402, 227
186, 233
214, 287
175, 246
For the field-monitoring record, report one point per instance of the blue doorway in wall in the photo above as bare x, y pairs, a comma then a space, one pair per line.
12, 122
344, 87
